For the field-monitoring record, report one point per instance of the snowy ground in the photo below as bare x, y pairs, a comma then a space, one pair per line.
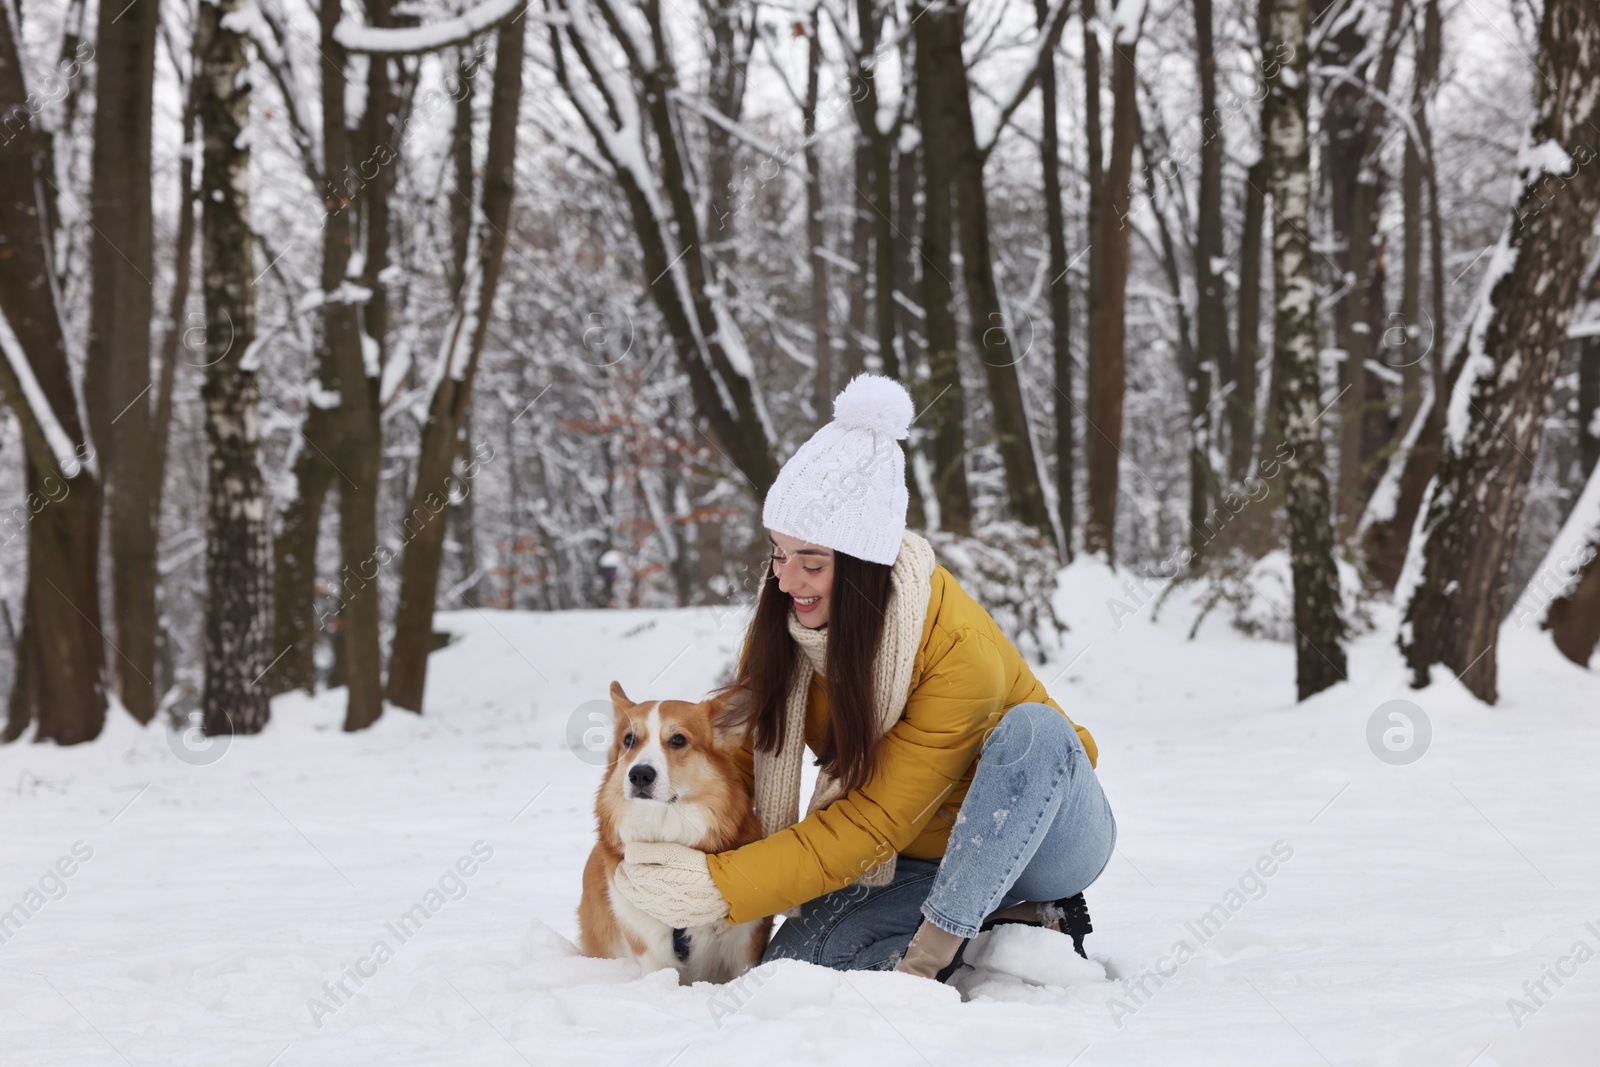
1406, 904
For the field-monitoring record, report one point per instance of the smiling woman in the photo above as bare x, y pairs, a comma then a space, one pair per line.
950, 786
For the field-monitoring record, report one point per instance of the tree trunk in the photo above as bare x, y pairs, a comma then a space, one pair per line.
1413, 463
1242, 400
117, 376
940, 33
1107, 370
237, 602
855, 354
447, 412
816, 234
1498, 410
62, 613
1319, 653
1564, 594
1213, 354
880, 155
356, 455
1589, 403
943, 405
1060, 292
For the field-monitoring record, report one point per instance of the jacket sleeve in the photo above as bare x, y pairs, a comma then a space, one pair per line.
921, 759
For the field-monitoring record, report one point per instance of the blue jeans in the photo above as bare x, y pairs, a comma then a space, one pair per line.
1034, 825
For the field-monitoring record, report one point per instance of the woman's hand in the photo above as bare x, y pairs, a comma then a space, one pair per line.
670, 882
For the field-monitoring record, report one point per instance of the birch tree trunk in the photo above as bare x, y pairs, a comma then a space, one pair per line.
1454, 590
117, 377
60, 679
1319, 653
237, 604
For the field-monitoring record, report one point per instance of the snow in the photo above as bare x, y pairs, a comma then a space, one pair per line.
223, 905
1574, 546
38, 404
1546, 157
431, 37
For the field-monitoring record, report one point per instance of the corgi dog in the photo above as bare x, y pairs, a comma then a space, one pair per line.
669, 778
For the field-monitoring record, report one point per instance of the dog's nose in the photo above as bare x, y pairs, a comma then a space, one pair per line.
642, 776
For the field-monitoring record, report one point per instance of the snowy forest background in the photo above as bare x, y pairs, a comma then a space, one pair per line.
363, 359
576, 278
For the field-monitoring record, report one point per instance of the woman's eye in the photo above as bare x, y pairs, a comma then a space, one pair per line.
678, 741
812, 570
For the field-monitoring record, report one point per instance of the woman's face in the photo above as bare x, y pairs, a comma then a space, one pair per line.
805, 574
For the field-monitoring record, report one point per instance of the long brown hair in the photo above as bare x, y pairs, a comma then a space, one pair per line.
858, 600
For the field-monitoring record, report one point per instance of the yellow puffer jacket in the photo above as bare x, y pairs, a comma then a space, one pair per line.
965, 676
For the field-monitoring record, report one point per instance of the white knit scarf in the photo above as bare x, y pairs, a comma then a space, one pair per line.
778, 774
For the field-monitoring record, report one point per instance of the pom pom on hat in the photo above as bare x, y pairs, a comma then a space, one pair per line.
874, 402
845, 488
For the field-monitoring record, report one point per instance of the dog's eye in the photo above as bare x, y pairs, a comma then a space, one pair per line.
678, 740
627, 740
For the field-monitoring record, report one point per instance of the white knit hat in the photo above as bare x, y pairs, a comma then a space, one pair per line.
845, 488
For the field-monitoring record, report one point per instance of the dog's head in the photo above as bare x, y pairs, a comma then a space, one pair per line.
671, 776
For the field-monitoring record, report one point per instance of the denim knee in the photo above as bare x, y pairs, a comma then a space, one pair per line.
1024, 726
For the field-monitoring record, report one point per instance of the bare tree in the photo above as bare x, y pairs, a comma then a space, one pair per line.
632, 115
459, 356
1462, 555
59, 682
1319, 652
1213, 352
1060, 292
117, 377
940, 33
1107, 366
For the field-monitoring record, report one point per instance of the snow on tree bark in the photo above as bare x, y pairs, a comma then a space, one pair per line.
60, 685
1454, 586
1319, 653
236, 612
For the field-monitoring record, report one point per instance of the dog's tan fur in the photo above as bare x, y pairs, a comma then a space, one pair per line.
705, 806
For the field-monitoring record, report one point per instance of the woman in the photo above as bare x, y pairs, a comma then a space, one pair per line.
952, 791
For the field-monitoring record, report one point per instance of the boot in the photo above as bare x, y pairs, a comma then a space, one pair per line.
1069, 915
933, 953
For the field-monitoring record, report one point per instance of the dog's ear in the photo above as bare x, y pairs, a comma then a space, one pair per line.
619, 699
730, 711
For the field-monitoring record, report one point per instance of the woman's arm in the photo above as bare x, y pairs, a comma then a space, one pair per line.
922, 758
